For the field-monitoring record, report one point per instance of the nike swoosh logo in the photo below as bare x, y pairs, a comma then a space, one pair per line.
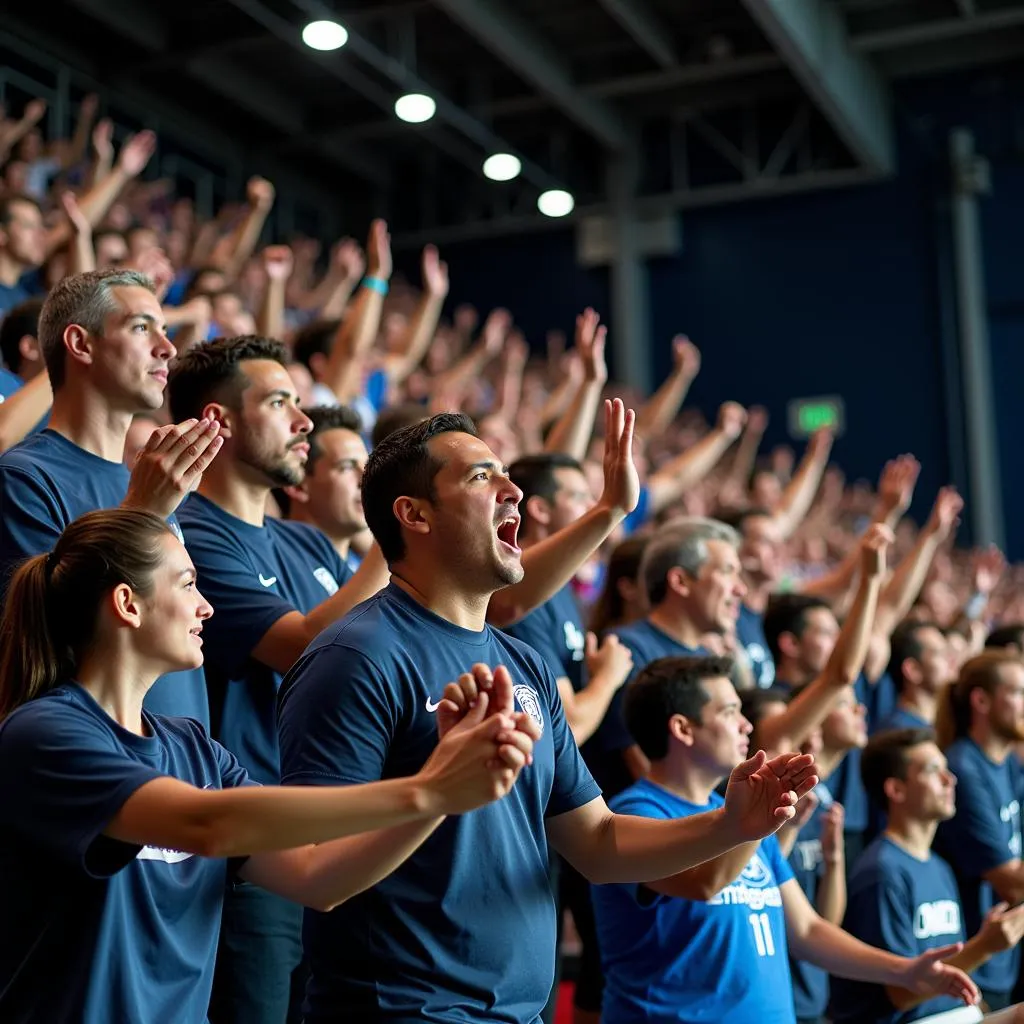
266, 582
432, 706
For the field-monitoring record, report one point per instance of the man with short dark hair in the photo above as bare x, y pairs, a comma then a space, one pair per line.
710, 943
904, 897
465, 928
106, 352
22, 247
330, 495
274, 586
921, 667
23, 374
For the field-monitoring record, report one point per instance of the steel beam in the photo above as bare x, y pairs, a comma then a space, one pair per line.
811, 38
529, 55
645, 27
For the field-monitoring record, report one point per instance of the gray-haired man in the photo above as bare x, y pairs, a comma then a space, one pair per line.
102, 337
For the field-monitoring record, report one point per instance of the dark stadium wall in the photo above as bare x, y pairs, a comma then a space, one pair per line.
843, 291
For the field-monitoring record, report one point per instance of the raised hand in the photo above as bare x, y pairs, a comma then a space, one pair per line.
34, 111
874, 548
610, 659
136, 153
171, 465
732, 418
347, 259
820, 444
103, 139
435, 273
928, 975
621, 492
1003, 927
278, 262
590, 340
477, 761
945, 516
516, 353
496, 328
466, 319
989, 566
157, 267
378, 251
761, 795
897, 483
805, 809
260, 193
78, 220
757, 420
685, 357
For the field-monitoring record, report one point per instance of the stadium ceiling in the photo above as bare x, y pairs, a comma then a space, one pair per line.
700, 100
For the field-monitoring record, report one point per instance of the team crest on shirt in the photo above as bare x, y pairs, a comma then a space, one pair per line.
325, 579
528, 701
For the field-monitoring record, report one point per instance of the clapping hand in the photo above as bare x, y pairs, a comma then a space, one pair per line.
762, 794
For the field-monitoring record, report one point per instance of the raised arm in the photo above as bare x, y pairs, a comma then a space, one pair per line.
230, 253
811, 706
24, 409
83, 257
550, 564
673, 480
800, 491
735, 488
13, 132
278, 263
423, 323
658, 412
571, 434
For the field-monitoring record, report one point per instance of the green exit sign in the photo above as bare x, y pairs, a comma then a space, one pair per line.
806, 415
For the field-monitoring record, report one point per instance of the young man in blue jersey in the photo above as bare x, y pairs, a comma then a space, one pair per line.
982, 721
106, 352
903, 897
274, 585
711, 942
465, 928
556, 494
330, 494
921, 666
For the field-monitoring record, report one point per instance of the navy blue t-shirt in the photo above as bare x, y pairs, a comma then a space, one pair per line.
674, 961
646, 643
46, 482
880, 700
97, 931
810, 982
906, 906
750, 633
464, 930
984, 833
555, 630
845, 783
902, 718
252, 575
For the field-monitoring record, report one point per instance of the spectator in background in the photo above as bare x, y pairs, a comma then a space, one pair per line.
903, 896
981, 720
22, 248
922, 668
106, 353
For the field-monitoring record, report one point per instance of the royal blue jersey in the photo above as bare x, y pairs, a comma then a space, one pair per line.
675, 961
984, 833
464, 930
906, 906
46, 482
252, 575
97, 931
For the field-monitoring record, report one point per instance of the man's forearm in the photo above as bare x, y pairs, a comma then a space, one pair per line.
829, 947
589, 707
831, 901
687, 470
550, 564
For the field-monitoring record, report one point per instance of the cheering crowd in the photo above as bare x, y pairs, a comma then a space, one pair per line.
350, 656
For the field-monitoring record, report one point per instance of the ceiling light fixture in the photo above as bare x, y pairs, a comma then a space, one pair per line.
325, 35
502, 167
415, 108
555, 203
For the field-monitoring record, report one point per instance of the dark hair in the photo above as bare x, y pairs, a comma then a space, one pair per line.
983, 671
193, 285
906, 643
329, 417
50, 612
609, 610
1005, 636
667, 687
787, 613
210, 373
7, 202
534, 475
402, 465
754, 703
395, 418
886, 757
83, 299
314, 339
16, 323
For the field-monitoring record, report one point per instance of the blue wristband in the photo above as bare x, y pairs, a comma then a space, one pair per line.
376, 284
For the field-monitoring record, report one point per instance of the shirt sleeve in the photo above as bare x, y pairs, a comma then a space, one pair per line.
975, 839
31, 520
573, 784
62, 783
244, 609
336, 721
